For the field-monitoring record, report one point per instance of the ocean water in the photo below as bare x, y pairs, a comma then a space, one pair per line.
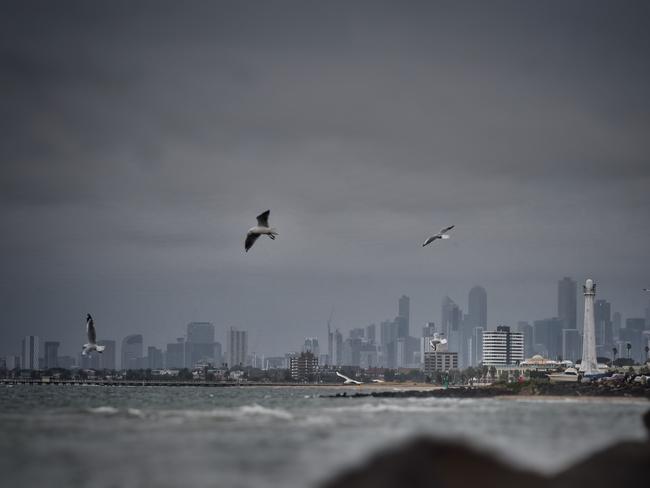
95, 436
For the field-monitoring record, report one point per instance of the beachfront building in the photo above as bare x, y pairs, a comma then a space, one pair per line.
304, 366
439, 361
502, 347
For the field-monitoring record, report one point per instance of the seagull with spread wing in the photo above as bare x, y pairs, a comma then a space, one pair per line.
92, 338
440, 235
261, 228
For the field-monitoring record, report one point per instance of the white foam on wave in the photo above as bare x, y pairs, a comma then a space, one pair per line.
373, 408
239, 413
104, 410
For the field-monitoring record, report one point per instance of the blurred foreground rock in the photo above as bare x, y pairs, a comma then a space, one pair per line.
429, 463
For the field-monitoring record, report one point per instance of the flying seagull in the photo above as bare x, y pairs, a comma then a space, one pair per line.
646, 289
348, 381
440, 235
435, 342
262, 227
92, 338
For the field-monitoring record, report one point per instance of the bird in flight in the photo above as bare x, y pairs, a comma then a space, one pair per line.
261, 228
435, 342
440, 235
646, 289
92, 338
348, 380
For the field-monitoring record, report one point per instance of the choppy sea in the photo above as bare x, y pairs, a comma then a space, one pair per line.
100, 437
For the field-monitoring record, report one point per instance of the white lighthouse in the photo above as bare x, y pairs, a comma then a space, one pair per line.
589, 363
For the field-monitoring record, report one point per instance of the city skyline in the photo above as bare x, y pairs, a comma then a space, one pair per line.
548, 338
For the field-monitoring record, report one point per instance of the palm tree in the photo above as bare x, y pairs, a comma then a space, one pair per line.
647, 349
614, 352
628, 346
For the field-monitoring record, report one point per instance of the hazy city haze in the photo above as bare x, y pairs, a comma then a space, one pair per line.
139, 142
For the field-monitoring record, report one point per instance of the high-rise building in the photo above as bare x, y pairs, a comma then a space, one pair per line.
567, 302
477, 346
429, 329
200, 347
311, 345
338, 343
527, 330
603, 322
108, 357
30, 353
304, 366
617, 323
477, 308
502, 347
547, 337
175, 354
571, 344
237, 347
154, 358
439, 362
51, 354
357, 333
371, 333
132, 351
403, 316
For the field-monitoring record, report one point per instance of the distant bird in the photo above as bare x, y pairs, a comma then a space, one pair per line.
440, 235
348, 381
92, 338
646, 289
261, 228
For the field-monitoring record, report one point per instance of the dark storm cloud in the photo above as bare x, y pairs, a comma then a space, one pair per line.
140, 141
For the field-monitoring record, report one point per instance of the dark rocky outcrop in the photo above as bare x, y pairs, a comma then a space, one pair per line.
433, 464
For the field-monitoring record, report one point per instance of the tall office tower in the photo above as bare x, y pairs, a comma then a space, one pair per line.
567, 302
371, 333
107, 358
357, 333
603, 322
477, 346
403, 316
154, 358
200, 345
30, 355
338, 346
527, 330
617, 323
451, 317
571, 344
51, 354
647, 317
477, 307
429, 329
132, 351
502, 347
589, 364
175, 354
237, 347
311, 345
547, 337
330, 343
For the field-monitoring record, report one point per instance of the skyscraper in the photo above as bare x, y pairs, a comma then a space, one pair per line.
154, 358
175, 354
200, 344
604, 328
567, 302
51, 354
132, 351
527, 330
404, 316
30, 353
237, 347
477, 307
502, 347
547, 336
107, 358
571, 344
452, 317
338, 344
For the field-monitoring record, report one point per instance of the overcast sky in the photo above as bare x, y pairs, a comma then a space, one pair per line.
140, 140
